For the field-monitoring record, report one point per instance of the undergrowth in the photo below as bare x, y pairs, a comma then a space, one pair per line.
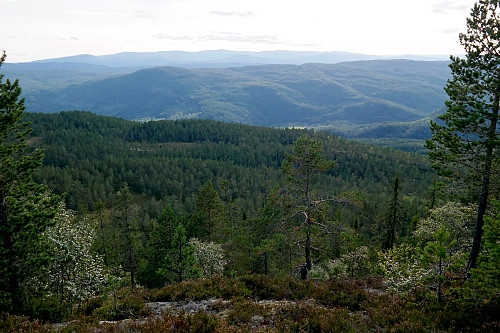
256, 303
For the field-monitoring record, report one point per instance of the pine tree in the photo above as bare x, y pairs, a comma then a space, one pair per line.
467, 144
127, 233
26, 208
157, 248
436, 254
488, 273
210, 205
303, 208
180, 260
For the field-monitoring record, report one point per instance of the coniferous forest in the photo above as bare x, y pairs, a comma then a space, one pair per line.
112, 225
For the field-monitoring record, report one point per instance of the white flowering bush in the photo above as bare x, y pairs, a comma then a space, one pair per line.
402, 267
350, 264
209, 257
357, 261
456, 219
330, 269
75, 272
318, 272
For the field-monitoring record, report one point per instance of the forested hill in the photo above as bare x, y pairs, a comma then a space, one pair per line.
167, 162
358, 93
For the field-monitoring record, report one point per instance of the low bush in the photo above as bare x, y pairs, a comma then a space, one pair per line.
14, 324
216, 287
122, 304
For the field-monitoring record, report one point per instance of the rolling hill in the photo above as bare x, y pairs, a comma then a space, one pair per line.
359, 93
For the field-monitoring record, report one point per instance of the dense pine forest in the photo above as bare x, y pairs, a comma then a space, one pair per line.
112, 225
169, 166
89, 157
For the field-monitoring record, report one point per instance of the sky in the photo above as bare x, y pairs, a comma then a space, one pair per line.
42, 29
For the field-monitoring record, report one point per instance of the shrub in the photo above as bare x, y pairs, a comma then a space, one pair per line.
218, 287
209, 257
402, 268
14, 324
127, 303
351, 264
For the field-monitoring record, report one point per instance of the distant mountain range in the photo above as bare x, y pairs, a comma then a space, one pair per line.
361, 98
223, 58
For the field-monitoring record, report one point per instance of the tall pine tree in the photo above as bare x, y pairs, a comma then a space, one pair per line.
302, 204
467, 143
26, 208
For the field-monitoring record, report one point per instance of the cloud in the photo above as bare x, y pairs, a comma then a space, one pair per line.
68, 38
223, 36
450, 31
236, 37
143, 14
137, 13
173, 37
447, 6
233, 14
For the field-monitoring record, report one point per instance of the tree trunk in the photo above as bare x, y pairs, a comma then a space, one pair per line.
485, 187
308, 251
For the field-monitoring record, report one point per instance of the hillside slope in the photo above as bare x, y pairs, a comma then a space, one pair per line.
352, 93
90, 156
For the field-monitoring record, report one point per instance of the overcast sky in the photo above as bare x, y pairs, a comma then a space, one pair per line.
41, 29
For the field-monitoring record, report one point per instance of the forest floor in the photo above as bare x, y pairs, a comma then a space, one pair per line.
257, 303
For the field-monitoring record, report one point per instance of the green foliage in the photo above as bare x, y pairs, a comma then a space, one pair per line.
126, 237
125, 303
263, 304
180, 262
485, 286
302, 207
14, 324
402, 268
209, 204
392, 220
305, 164
90, 157
455, 218
26, 208
465, 144
75, 272
217, 286
355, 263
489, 261
437, 255
156, 249
209, 257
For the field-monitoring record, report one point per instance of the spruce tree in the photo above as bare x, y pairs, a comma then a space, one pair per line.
26, 208
466, 144
393, 217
